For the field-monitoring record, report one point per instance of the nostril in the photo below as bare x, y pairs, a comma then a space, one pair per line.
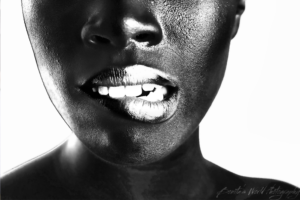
96, 39
144, 37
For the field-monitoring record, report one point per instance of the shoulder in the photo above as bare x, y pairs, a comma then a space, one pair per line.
256, 188
259, 188
232, 186
264, 189
36, 179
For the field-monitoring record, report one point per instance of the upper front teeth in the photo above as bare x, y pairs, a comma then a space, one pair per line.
103, 90
156, 91
148, 87
116, 92
133, 90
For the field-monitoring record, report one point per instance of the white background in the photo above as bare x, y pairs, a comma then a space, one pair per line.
252, 129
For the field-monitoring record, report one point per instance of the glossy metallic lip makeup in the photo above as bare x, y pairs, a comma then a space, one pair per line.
137, 92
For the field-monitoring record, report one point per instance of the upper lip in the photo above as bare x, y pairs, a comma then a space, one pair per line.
130, 75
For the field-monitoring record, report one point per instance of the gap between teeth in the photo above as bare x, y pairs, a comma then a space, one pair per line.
157, 92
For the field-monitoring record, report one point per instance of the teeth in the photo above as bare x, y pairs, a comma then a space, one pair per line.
149, 87
164, 90
157, 95
103, 90
133, 90
116, 92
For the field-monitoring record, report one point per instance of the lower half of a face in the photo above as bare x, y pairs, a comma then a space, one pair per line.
137, 103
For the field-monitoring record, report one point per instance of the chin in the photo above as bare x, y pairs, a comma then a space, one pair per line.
137, 154
133, 143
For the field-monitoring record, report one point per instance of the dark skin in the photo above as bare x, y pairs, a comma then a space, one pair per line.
119, 156
78, 174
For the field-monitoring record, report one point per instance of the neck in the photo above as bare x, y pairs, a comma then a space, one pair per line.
185, 168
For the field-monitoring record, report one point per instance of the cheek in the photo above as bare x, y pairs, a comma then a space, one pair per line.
201, 37
54, 27
197, 26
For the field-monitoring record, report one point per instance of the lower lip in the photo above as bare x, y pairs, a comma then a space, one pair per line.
141, 110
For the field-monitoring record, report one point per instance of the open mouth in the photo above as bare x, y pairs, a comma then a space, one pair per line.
138, 92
